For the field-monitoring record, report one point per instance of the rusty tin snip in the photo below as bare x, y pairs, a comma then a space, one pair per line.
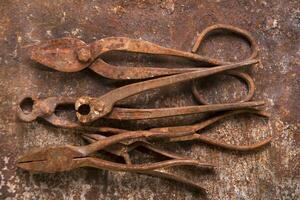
71, 54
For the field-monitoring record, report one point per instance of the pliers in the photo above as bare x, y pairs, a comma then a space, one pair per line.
65, 158
103, 105
46, 109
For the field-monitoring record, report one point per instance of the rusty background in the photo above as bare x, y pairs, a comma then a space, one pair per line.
272, 173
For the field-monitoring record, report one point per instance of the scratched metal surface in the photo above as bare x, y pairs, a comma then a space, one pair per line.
272, 173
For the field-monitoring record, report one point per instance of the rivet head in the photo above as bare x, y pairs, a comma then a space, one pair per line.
84, 54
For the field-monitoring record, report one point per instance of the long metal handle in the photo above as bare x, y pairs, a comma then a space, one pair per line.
140, 46
137, 114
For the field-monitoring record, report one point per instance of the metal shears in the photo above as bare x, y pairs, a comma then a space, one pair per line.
72, 55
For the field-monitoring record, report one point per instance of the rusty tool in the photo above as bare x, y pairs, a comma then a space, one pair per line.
101, 106
123, 150
46, 108
104, 105
71, 54
64, 158
192, 132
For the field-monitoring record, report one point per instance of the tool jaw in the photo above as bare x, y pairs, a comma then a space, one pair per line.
65, 54
36, 108
41, 108
50, 160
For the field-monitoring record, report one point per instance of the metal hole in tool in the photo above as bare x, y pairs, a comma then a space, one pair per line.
84, 109
27, 105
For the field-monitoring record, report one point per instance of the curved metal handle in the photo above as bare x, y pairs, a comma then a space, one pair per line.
243, 76
139, 46
203, 138
231, 29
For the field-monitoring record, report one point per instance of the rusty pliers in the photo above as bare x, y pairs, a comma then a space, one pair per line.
46, 109
64, 158
71, 54
104, 106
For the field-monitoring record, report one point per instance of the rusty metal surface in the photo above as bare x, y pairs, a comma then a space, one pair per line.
269, 174
71, 54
